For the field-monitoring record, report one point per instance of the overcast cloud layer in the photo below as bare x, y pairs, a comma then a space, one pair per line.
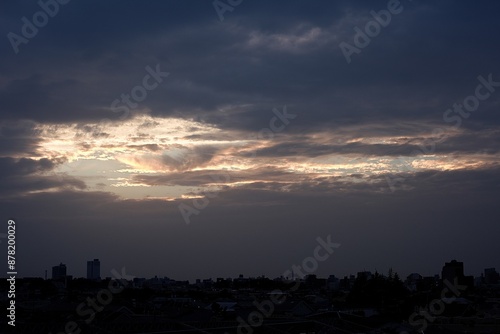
245, 139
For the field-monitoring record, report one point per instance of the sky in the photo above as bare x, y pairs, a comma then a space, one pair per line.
197, 139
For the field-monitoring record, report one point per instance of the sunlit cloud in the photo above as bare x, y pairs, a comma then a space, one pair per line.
153, 157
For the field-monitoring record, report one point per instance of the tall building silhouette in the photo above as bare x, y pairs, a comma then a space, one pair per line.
94, 269
454, 272
59, 272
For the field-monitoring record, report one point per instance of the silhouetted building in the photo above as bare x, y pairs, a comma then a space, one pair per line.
454, 272
491, 276
94, 269
333, 283
310, 280
59, 272
347, 282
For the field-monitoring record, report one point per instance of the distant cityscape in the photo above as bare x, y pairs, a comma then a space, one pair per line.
368, 302
451, 271
93, 271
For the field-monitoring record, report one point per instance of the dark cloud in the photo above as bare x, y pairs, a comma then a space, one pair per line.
81, 70
190, 158
18, 138
442, 141
207, 177
25, 166
21, 176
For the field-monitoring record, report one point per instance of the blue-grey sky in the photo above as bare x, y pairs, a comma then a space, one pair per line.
195, 139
